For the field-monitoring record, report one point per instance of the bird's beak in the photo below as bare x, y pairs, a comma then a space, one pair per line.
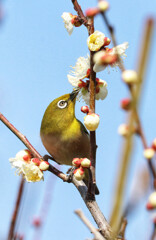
74, 94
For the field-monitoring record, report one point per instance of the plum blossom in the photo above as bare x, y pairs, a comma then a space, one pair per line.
25, 165
102, 55
95, 41
77, 76
67, 19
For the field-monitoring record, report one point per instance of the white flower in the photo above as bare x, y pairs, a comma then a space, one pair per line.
21, 158
91, 121
32, 173
95, 41
101, 90
100, 56
67, 17
24, 165
80, 71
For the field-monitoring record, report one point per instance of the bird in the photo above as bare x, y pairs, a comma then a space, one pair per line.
62, 134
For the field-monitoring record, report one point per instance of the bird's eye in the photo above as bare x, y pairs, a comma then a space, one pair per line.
62, 104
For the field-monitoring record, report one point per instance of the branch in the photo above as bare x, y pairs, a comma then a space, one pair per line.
89, 23
16, 210
80, 12
93, 230
25, 141
95, 211
91, 205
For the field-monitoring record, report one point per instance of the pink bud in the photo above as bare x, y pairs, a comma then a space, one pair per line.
91, 12
77, 162
85, 109
154, 144
106, 41
24, 155
149, 206
79, 174
36, 222
44, 165
76, 21
36, 161
125, 104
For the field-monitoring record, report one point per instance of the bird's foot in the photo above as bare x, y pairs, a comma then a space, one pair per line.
47, 157
70, 174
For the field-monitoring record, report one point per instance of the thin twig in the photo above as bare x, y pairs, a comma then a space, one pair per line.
25, 141
89, 23
116, 212
89, 225
80, 12
16, 210
123, 228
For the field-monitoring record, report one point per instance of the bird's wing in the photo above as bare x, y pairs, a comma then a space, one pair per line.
83, 128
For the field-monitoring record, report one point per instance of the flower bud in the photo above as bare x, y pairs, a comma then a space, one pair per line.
79, 174
149, 153
36, 161
154, 144
151, 201
24, 155
103, 5
91, 12
85, 163
91, 121
130, 76
85, 109
126, 104
123, 130
44, 165
76, 162
36, 222
75, 21
106, 41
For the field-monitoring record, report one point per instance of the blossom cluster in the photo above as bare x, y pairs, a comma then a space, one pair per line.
81, 164
31, 168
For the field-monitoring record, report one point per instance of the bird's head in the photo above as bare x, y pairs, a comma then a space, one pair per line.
60, 113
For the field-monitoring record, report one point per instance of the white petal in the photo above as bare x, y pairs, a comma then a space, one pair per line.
73, 80
67, 22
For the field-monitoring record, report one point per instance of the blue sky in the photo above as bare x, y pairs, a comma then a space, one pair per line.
36, 53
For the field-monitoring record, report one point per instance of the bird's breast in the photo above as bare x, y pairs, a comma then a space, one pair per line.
63, 148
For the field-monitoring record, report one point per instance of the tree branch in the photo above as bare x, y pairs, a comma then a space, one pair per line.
92, 229
16, 210
95, 211
25, 141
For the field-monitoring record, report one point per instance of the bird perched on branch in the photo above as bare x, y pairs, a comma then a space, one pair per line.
64, 136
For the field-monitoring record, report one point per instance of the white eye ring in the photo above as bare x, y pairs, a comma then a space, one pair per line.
62, 104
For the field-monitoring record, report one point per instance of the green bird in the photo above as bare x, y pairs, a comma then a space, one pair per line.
62, 134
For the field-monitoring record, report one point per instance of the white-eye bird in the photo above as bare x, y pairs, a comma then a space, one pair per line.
63, 136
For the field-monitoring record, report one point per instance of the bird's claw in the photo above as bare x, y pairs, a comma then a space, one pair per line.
70, 174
